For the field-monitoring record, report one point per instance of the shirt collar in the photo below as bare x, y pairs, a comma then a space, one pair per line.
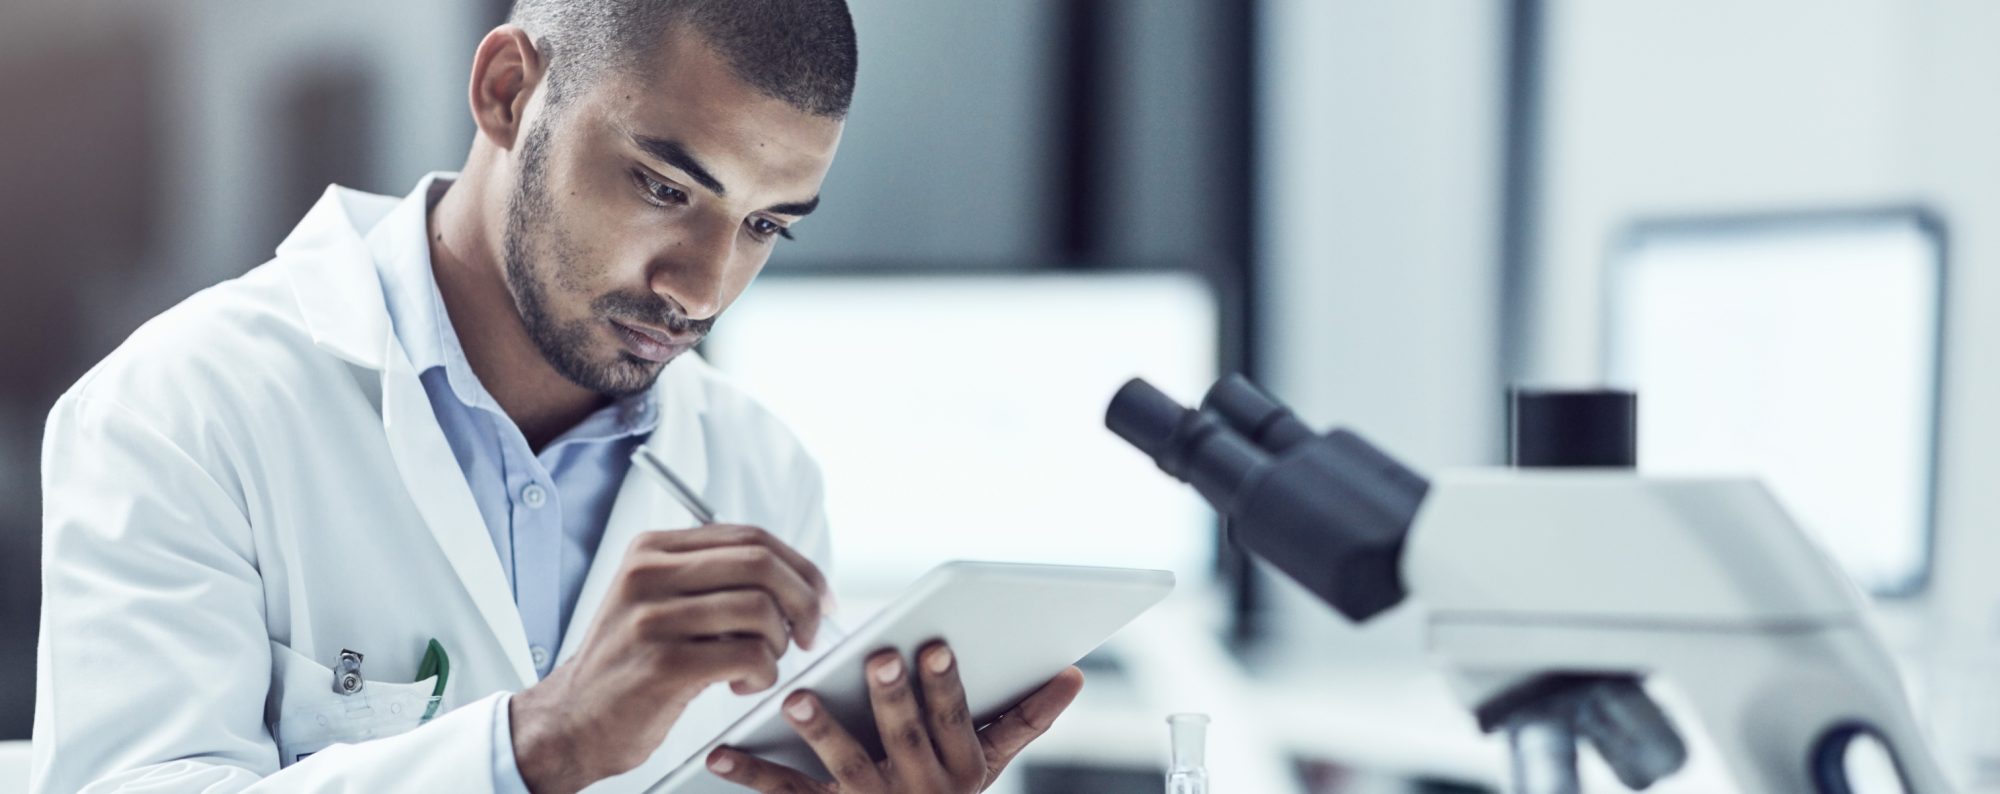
400, 246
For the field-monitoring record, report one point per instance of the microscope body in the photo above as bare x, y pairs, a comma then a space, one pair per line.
1553, 590
1705, 583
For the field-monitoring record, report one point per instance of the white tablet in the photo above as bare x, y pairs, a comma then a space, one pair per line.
1011, 628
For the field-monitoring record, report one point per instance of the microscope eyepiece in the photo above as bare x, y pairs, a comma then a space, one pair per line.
1189, 445
1255, 414
1145, 417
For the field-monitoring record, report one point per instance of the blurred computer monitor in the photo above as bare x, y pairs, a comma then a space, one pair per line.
1804, 349
961, 416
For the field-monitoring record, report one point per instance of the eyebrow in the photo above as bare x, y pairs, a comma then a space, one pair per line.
798, 209
674, 154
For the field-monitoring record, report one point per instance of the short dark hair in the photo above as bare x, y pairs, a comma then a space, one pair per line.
798, 51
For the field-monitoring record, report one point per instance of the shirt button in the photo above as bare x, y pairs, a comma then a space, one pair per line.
541, 656
534, 495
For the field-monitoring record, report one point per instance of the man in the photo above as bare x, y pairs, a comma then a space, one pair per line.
361, 520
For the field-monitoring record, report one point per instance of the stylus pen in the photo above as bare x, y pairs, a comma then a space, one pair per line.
645, 458
680, 490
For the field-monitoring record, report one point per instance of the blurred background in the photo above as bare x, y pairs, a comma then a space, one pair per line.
1779, 220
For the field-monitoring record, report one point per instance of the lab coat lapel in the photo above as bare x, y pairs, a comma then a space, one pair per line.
445, 501
443, 497
340, 300
643, 505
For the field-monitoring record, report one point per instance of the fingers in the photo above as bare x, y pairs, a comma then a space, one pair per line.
898, 717
722, 556
760, 775
946, 713
836, 748
713, 535
1004, 738
747, 664
734, 567
725, 615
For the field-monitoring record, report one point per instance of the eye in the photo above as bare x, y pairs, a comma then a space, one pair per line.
658, 193
765, 228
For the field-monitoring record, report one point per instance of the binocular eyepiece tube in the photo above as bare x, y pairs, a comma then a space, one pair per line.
1330, 511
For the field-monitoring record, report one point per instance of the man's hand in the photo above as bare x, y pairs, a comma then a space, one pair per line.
689, 608
931, 743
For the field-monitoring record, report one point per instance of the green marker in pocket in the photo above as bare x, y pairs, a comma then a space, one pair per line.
435, 663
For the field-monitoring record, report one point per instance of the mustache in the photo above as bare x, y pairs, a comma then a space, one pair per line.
649, 309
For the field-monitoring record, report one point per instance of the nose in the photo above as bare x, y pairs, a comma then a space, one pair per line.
693, 273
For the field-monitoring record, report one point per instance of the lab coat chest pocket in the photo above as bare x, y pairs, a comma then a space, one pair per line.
305, 714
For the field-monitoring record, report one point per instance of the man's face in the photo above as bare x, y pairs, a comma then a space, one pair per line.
645, 206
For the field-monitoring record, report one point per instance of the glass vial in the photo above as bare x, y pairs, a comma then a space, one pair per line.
1189, 772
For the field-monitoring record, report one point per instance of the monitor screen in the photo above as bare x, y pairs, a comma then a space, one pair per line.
1801, 349
962, 416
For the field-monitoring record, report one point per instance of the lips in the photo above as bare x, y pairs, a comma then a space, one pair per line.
656, 335
649, 343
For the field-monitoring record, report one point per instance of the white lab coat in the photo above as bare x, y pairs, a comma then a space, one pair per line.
254, 481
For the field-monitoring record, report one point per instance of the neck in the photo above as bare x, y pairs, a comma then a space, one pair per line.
464, 231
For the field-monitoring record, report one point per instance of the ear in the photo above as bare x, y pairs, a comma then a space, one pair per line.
506, 70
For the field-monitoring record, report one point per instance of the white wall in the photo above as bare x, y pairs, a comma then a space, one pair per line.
1380, 147
1661, 107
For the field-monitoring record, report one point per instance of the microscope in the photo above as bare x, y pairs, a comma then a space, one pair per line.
1555, 589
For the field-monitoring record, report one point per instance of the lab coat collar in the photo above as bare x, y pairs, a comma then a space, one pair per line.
339, 298
400, 246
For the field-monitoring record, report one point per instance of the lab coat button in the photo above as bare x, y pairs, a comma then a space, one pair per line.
534, 495
541, 656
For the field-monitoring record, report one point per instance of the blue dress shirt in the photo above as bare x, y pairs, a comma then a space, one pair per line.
545, 511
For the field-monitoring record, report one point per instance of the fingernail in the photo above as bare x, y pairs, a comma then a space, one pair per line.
888, 673
828, 605
939, 661
801, 709
723, 764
